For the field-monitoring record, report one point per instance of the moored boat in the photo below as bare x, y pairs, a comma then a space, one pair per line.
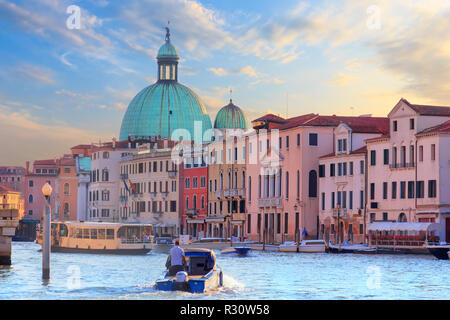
202, 273
312, 246
440, 251
100, 238
240, 251
288, 246
348, 248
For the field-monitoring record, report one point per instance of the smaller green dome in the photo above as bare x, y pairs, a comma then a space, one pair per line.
168, 51
230, 117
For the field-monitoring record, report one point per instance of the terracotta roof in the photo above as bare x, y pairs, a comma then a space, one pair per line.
45, 162
271, 117
361, 150
427, 110
443, 127
384, 136
5, 189
82, 146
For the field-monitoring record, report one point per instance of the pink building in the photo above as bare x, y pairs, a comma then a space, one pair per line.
43, 171
408, 169
342, 180
283, 199
13, 177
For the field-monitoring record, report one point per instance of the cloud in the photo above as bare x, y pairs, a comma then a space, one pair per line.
342, 80
119, 106
36, 138
218, 71
34, 73
74, 94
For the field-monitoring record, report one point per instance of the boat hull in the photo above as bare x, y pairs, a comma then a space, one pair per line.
442, 253
211, 281
240, 251
140, 251
311, 249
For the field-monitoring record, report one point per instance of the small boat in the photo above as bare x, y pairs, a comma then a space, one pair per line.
288, 246
99, 237
440, 251
312, 246
240, 251
347, 248
209, 243
202, 273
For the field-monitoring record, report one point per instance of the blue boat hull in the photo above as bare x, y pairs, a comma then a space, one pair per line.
241, 251
210, 281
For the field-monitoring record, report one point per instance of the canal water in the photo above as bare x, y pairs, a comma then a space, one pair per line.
262, 275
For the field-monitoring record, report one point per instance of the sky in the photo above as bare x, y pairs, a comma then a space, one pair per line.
63, 84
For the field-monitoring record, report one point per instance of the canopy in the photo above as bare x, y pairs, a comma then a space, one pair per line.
404, 226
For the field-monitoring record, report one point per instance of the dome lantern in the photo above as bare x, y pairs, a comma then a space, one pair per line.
168, 60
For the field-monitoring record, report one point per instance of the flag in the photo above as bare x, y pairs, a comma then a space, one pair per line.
132, 186
126, 186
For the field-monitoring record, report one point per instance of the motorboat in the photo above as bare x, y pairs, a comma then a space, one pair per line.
240, 251
201, 274
210, 243
440, 251
288, 246
312, 246
350, 248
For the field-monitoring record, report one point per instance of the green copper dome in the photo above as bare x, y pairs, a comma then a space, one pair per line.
230, 117
166, 105
167, 50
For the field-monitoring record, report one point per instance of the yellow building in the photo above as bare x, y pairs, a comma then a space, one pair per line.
10, 199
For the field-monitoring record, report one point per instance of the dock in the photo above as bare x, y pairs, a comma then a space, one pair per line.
8, 223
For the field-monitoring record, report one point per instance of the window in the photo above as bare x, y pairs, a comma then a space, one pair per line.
361, 167
332, 169
287, 185
411, 124
432, 189
410, 189
344, 169
249, 188
361, 199
385, 190
420, 153
351, 168
333, 200
298, 139
321, 171
30, 183
280, 143
287, 142
339, 169
279, 223
386, 156
66, 170
249, 223
286, 222
402, 189
66, 189
312, 184
350, 200
394, 125
313, 139
30, 198
373, 155
173, 206
433, 152
195, 182
372, 191
394, 190
187, 183
298, 184
323, 200
420, 189
202, 182
385, 216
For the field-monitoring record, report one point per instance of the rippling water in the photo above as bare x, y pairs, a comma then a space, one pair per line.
262, 275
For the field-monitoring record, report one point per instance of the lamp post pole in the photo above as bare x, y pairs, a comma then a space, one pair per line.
46, 244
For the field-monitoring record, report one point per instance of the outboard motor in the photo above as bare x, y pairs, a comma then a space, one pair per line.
181, 281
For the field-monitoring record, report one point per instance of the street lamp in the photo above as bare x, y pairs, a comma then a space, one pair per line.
46, 191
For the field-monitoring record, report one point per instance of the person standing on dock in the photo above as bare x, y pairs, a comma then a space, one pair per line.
177, 259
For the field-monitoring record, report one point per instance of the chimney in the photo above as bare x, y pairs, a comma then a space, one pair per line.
114, 143
28, 167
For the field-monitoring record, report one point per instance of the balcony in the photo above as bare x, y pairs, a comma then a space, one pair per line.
191, 212
241, 193
219, 193
124, 176
164, 194
172, 173
136, 195
158, 214
270, 202
152, 195
408, 165
230, 193
342, 212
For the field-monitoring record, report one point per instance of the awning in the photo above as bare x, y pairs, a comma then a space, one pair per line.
164, 225
215, 219
195, 220
237, 221
404, 226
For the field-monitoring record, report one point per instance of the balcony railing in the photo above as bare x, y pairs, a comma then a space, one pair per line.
172, 173
164, 194
158, 213
152, 195
402, 165
342, 212
219, 193
270, 202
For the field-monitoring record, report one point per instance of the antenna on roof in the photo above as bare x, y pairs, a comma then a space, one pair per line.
231, 95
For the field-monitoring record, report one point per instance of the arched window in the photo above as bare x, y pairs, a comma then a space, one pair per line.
402, 217
66, 188
235, 180
187, 202
105, 175
203, 202
30, 198
194, 200
66, 209
313, 184
229, 180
